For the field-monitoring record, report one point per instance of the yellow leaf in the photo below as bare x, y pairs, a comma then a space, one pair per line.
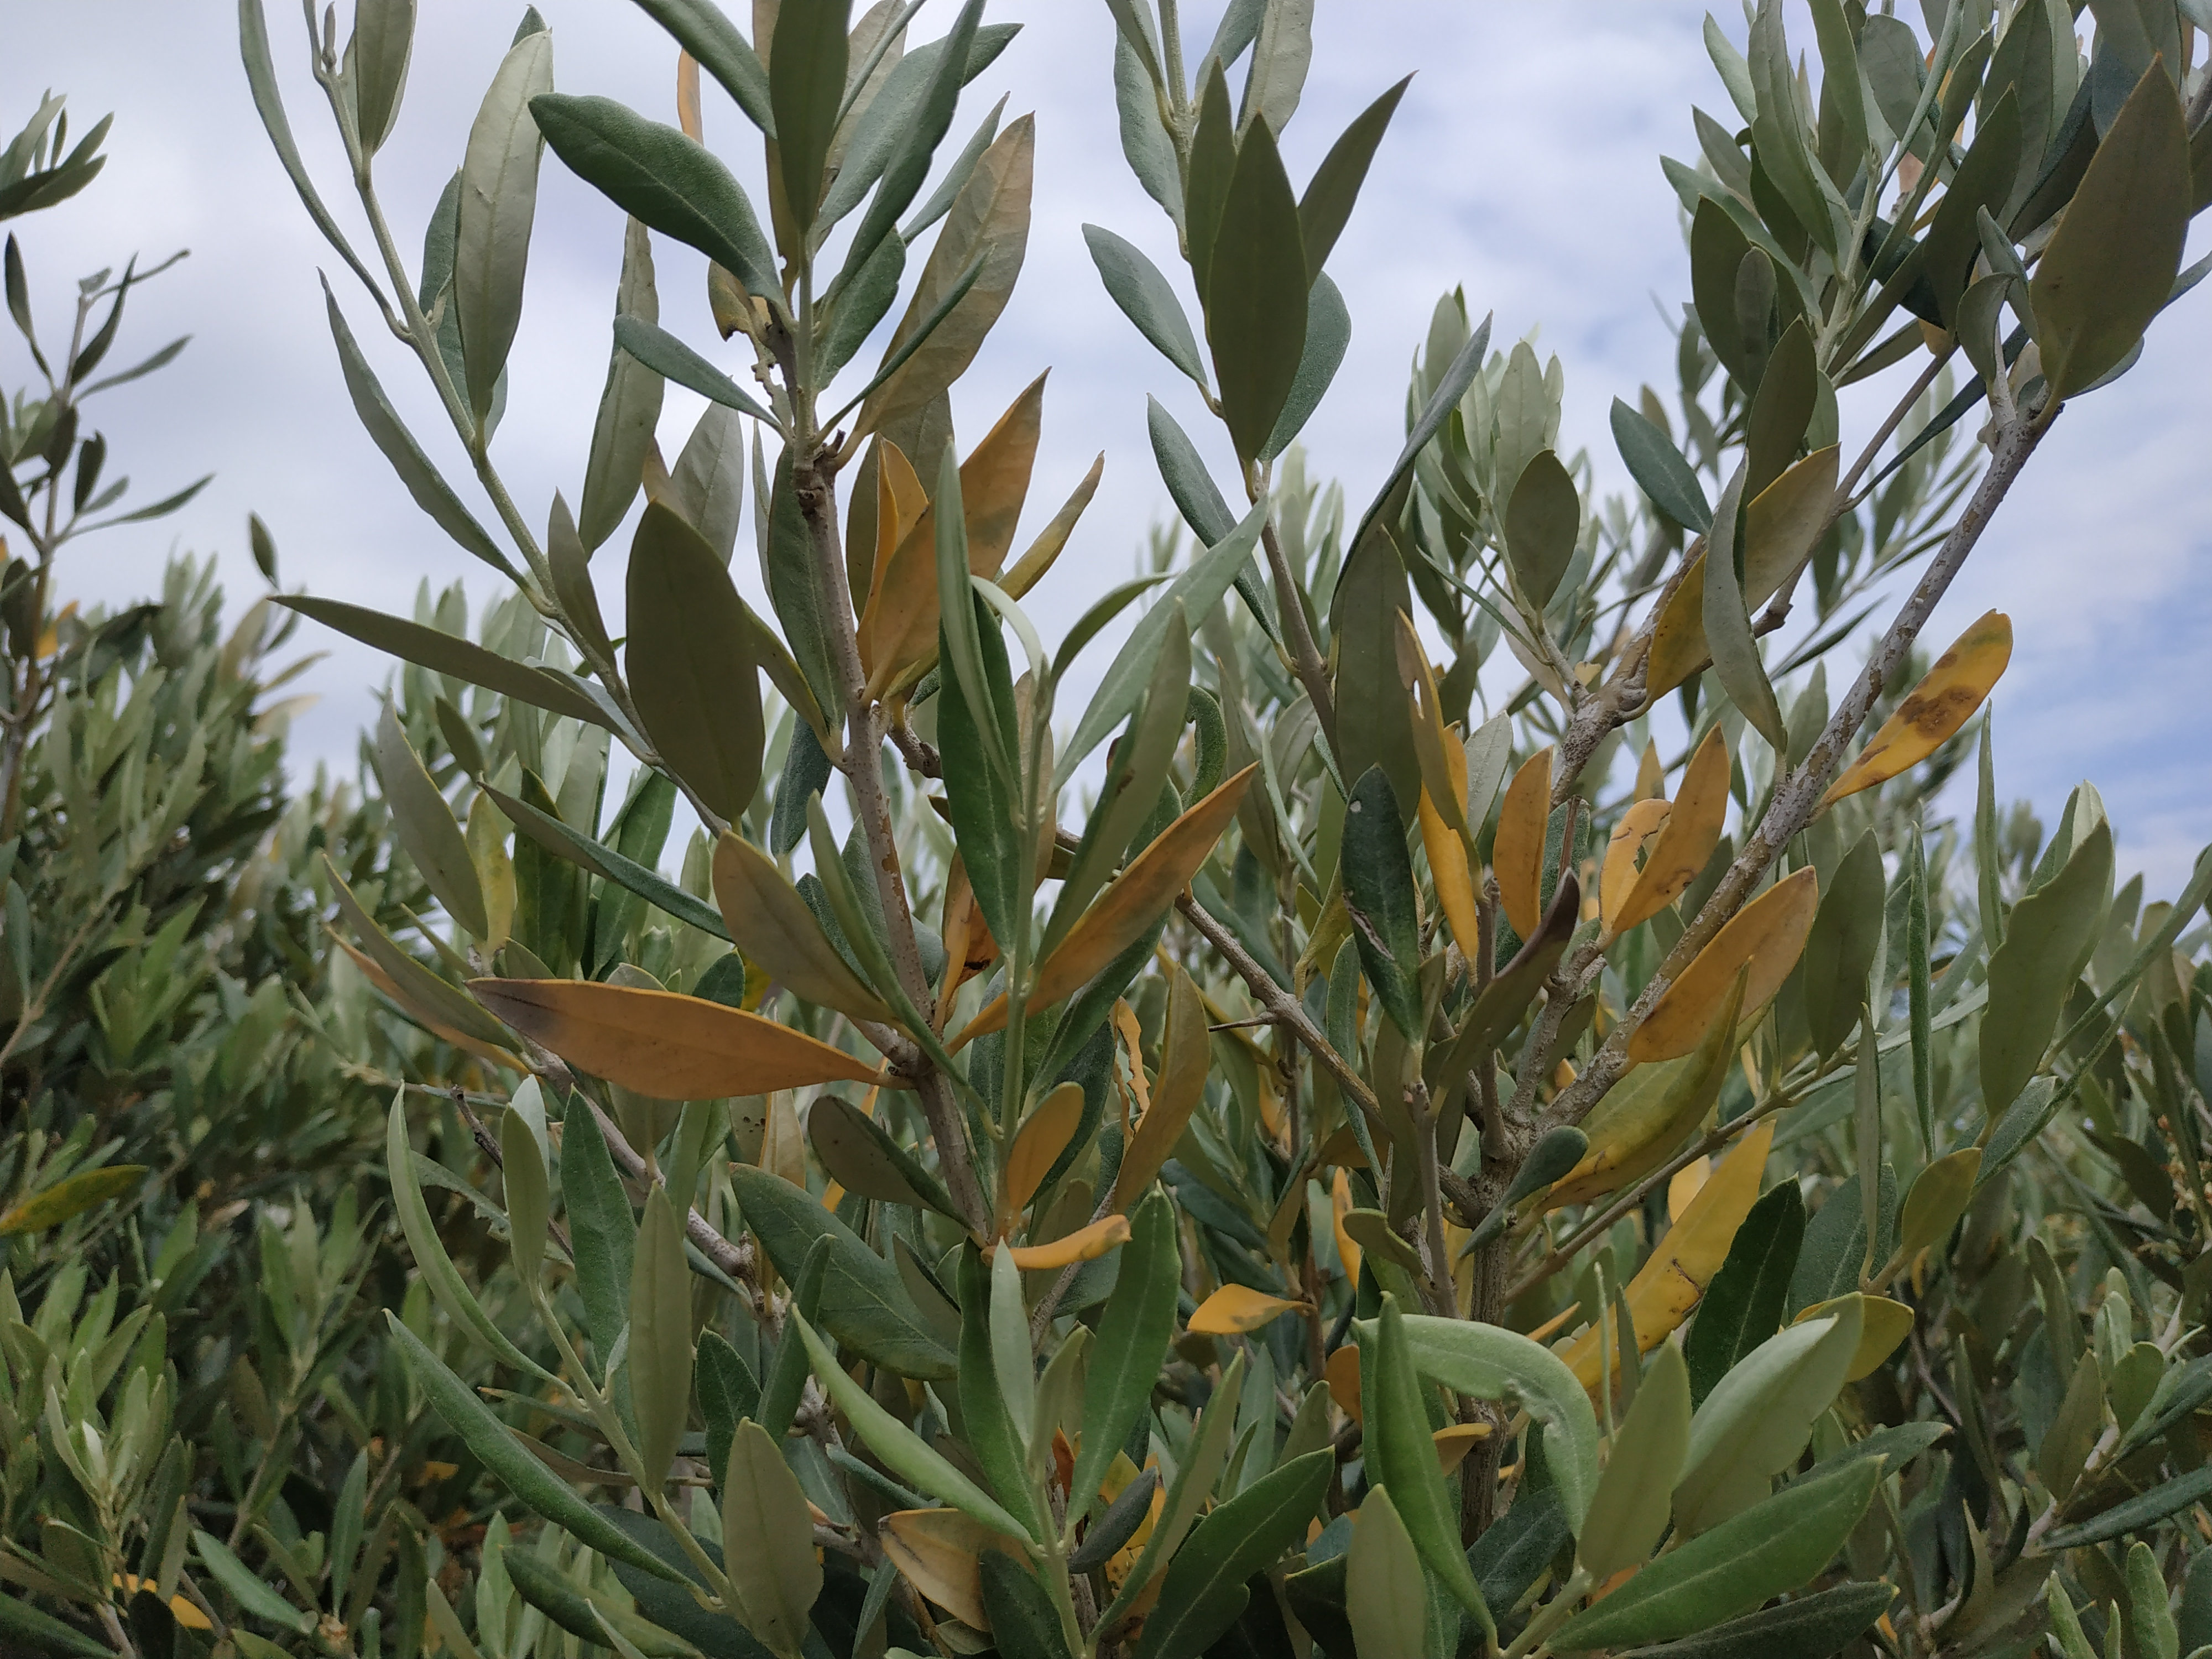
899, 623
181, 1608
1685, 1184
1643, 1118
770, 925
1766, 936
1455, 1440
1037, 558
1686, 840
1432, 743
1668, 1285
1639, 825
940, 1551
1650, 774
1130, 904
1083, 1244
71, 1197
1942, 703
1186, 1050
1119, 1474
1886, 1323
1448, 869
1137, 1091
1235, 1308
969, 946
1340, 1205
1780, 526
900, 502
1342, 1374
1043, 1137
1516, 855
663, 1045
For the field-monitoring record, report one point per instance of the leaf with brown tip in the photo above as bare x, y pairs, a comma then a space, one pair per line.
1516, 856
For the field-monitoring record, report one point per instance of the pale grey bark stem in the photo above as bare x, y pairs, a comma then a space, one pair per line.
1798, 799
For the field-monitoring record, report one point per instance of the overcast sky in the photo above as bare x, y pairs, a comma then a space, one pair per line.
1523, 165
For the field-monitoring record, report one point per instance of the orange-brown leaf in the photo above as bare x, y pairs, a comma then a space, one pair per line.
1767, 936
1516, 856
663, 1045
1639, 825
899, 624
1043, 1137
1186, 1049
1130, 904
1235, 1308
1692, 832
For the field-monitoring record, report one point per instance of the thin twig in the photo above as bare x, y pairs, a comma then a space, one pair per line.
1797, 800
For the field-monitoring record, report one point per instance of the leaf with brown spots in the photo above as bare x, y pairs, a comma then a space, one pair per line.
1942, 703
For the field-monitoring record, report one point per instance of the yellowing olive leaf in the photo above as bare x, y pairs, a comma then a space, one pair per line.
71, 1196
1766, 936
1938, 1198
1780, 526
1043, 1137
1638, 826
1944, 701
771, 925
416, 989
691, 663
899, 624
1668, 1285
1235, 1308
1516, 855
1185, 1051
663, 1045
1686, 840
1433, 745
939, 1552
989, 221
1448, 869
1083, 1244
1643, 1118
1883, 1325
1131, 903
2111, 264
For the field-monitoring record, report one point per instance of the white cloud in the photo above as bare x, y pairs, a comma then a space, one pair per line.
1523, 165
